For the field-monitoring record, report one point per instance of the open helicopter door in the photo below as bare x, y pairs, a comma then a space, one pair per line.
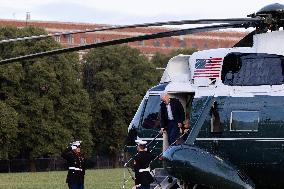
146, 123
150, 116
175, 81
184, 92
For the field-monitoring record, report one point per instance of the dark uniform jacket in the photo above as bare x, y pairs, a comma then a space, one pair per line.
142, 161
177, 111
76, 166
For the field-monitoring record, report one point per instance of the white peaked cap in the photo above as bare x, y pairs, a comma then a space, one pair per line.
76, 143
141, 142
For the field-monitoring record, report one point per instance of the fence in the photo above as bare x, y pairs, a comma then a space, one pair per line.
55, 164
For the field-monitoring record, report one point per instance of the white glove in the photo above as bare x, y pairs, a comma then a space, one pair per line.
73, 147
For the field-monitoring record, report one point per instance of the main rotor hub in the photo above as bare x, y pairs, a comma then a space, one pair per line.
275, 8
272, 17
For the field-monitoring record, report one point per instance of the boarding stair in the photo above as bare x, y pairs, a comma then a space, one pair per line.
162, 180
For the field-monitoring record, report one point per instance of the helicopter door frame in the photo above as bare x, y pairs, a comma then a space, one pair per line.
186, 101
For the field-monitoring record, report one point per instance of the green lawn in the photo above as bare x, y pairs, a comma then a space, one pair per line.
94, 179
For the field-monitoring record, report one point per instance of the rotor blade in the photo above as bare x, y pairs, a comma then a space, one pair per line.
125, 40
182, 22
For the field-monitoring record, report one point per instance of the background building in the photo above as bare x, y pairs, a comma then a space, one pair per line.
199, 41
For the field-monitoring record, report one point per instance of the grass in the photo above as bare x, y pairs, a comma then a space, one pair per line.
94, 179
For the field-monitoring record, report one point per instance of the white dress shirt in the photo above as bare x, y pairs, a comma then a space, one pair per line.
170, 113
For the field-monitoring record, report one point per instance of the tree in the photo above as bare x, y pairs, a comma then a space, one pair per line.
8, 130
116, 78
52, 107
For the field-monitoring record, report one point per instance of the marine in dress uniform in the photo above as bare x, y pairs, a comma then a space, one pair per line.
76, 166
143, 178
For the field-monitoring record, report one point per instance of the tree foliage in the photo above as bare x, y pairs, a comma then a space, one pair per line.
48, 104
116, 78
44, 105
8, 129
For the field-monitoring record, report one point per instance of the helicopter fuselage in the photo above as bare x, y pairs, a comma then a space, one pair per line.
246, 136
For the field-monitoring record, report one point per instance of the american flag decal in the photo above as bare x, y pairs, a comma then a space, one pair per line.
209, 68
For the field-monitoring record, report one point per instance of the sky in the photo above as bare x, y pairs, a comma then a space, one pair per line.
121, 12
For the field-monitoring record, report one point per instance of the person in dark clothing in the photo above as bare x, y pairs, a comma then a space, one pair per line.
143, 177
172, 117
76, 166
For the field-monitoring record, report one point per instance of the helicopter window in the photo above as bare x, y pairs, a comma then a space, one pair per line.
244, 121
151, 113
240, 69
215, 118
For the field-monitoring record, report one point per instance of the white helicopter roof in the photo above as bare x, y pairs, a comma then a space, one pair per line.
201, 72
271, 42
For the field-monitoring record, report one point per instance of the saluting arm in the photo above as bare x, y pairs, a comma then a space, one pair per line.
67, 153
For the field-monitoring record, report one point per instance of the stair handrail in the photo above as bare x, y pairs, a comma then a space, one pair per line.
132, 158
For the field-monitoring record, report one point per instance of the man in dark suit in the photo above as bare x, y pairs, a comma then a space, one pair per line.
172, 117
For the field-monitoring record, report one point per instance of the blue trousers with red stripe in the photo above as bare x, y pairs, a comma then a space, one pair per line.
75, 186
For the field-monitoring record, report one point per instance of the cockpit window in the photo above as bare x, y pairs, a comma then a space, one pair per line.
250, 69
151, 116
136, 120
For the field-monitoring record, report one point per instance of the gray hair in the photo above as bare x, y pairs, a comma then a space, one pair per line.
164, 94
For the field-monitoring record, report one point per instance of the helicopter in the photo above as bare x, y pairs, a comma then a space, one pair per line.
235, 111
233, 99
